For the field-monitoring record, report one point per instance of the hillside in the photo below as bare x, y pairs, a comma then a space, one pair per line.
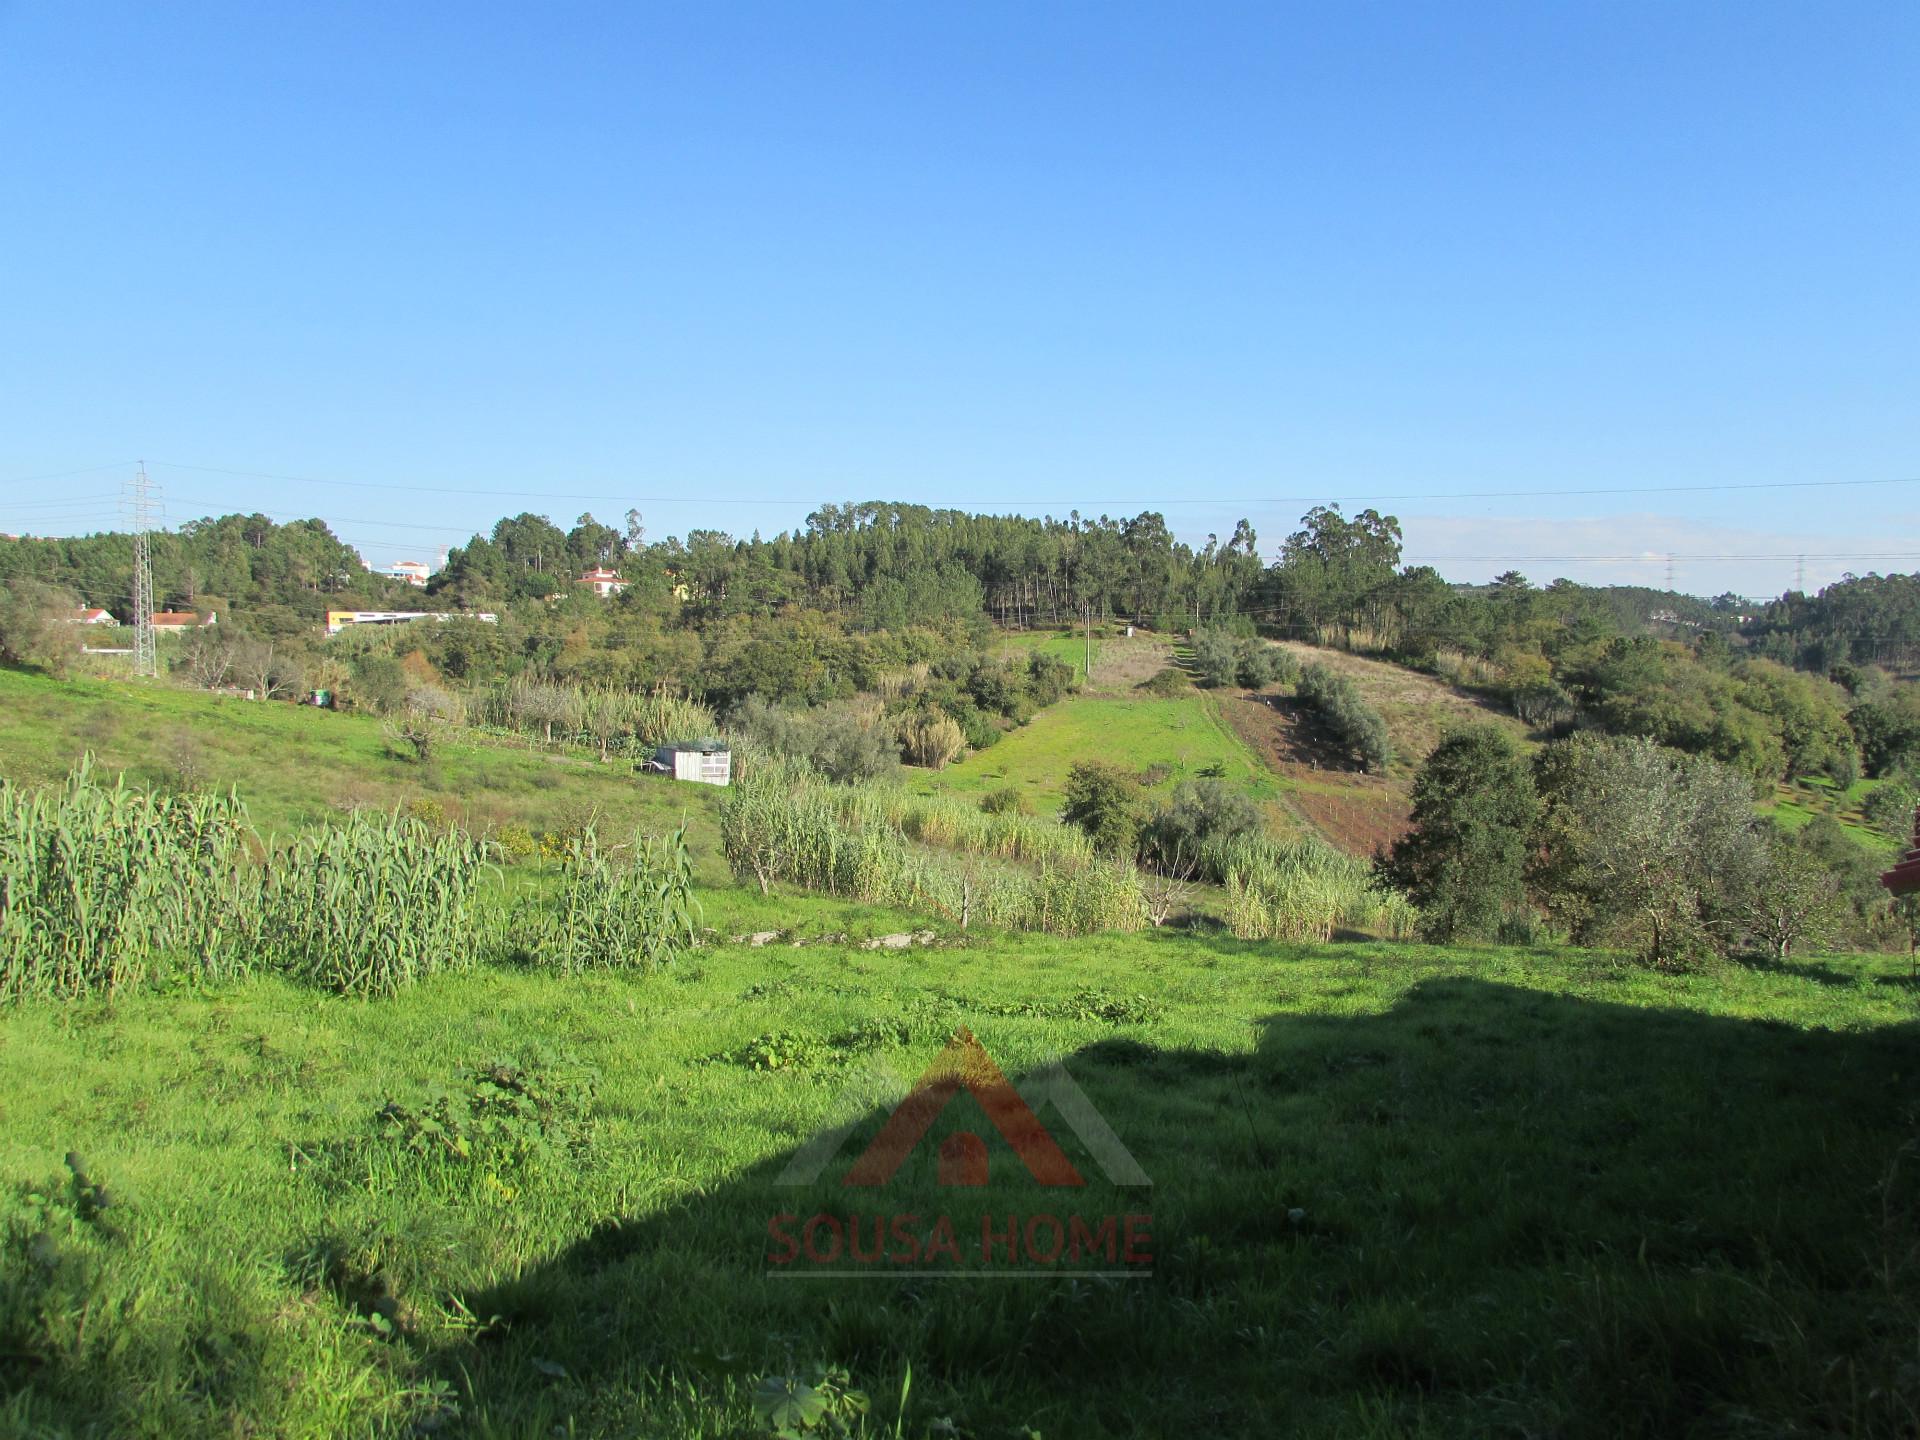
296, 766
1356, 812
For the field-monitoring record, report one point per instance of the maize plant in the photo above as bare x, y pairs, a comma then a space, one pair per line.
371, 904
638, 915
782, 822
103, 887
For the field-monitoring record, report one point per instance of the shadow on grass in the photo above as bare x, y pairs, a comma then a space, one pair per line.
1819, 972
1485, 1210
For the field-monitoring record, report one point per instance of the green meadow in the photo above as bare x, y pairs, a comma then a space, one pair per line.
1162, 740
1395, 1191
298, 767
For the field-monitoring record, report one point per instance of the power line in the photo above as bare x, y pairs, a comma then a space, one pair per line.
708, 498
67, 474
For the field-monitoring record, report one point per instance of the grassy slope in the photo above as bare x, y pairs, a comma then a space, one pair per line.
1395, 1192
1534, 1193
297, 766
1796, 804
1183, 734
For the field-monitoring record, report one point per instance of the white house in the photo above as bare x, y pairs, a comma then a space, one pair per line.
605, 582
92, 616
414, 572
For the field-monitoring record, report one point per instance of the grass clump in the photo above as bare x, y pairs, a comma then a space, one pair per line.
1303, 891
609, 916
371, 904
105, 886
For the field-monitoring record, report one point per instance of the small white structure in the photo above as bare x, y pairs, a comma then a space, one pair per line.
413, 572
602, 581
92, 615
707, 762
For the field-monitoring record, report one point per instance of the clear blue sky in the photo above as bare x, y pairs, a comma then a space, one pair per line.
722, 258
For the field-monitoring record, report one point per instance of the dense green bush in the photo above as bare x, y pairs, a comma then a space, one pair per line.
844, 740
1203, 817
1258, 664
1464, 861
1104, 802
1007, 799
1353, 724
1216, 658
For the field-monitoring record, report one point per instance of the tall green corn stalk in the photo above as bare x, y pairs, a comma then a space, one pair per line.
783, 823
371, 904
1302, 891
103, 887
636, 915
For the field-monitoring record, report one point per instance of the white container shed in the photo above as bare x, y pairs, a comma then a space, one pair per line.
706, 762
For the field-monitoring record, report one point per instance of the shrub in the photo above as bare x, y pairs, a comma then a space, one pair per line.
932, 740
1643, 847
1216, 659
845, 741
1006, 800
1167, 683
1889, 808
1463, 862
1201, 814
1353, 724
515, 844
1258, 664
1048, 678
1103, 801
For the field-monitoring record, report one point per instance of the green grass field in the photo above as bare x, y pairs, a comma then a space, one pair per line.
1068, 645
1394, 1192
1183, 734
1793, 806
296, 767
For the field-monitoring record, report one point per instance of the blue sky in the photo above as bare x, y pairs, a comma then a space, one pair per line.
729, 261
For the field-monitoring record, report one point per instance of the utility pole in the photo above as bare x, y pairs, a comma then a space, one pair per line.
146, 658
1089, 644
1800, 575
1669, 572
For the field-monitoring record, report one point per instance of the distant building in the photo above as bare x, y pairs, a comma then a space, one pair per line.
413, 572
178, 622
338, 620
706, 762
89, 616
605, 582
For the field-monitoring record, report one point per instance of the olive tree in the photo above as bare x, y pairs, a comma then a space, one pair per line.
1645, 848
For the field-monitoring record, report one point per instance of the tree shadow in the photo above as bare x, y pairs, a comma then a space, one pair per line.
1485, 1208
1818, 971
